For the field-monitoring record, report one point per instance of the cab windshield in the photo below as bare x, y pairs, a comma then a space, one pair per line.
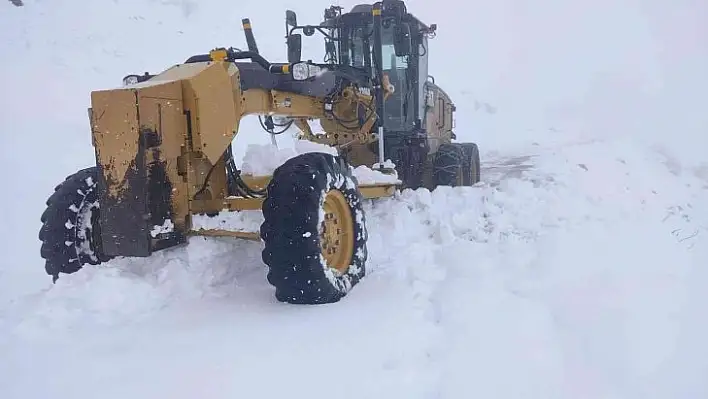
356, 51
357, 48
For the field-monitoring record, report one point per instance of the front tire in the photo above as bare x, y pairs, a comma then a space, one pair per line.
70, 232
314, 230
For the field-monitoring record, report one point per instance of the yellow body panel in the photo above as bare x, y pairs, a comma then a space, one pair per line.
160, 146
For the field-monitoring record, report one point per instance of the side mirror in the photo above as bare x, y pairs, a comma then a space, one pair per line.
294, 48
402, 41
291, 18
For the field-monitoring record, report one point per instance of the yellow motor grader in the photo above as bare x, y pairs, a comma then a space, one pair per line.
163, 151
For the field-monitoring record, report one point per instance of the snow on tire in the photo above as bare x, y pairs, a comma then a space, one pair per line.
70, 225
296, 252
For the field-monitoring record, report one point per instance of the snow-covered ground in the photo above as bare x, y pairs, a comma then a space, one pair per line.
576, 269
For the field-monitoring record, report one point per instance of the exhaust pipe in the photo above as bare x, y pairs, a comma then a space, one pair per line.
250, 39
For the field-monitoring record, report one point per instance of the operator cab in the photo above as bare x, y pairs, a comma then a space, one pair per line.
407, 70
350, 44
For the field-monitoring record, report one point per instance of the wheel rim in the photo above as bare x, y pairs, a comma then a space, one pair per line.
337, 232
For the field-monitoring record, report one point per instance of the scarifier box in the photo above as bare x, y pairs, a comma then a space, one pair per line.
148, 132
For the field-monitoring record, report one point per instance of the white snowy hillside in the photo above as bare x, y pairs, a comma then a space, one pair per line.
576, 269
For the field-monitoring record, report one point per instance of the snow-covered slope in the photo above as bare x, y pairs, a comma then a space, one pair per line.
575, 270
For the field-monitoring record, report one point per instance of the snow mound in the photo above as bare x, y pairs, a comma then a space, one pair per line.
263, 159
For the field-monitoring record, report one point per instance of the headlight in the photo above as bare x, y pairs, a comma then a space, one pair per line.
130, 80
304, 71
300, 71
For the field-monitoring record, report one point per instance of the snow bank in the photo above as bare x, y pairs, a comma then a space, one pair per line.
262, 160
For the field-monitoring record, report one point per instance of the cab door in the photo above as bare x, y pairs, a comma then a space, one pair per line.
400, 112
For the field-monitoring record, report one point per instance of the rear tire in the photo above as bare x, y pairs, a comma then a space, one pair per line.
70, 232
295, 213
449, 165
473, 164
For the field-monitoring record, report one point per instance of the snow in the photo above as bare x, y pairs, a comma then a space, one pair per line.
388, 164
166, 227
366, 175
263, 159
84, 225
571, 272
248, 221
576, 269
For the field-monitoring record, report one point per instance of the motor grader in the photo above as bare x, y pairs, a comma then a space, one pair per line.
163, 147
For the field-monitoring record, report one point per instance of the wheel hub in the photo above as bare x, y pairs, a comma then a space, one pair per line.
337, 232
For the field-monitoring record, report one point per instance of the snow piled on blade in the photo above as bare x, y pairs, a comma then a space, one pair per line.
262, 160
366, 175
572, 271
249, 221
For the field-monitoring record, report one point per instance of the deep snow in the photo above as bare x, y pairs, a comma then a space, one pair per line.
573, 271
576, 269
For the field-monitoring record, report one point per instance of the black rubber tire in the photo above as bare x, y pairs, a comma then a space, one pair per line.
69, 240
291, 228
473, 164
448, 163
